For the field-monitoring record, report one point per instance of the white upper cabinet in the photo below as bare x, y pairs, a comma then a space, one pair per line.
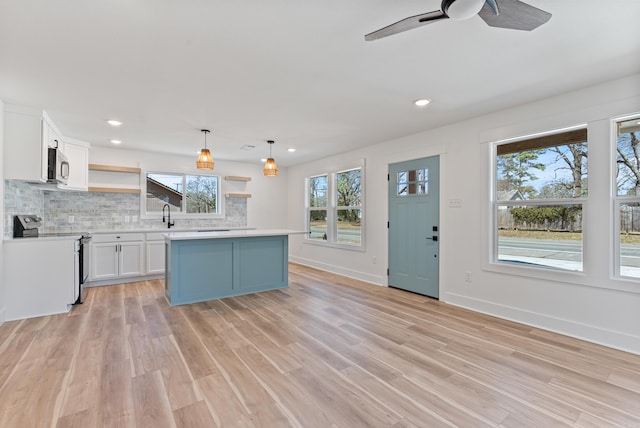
77, 152
26, 140
28, 134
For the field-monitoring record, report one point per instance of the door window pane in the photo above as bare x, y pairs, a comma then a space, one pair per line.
413, 182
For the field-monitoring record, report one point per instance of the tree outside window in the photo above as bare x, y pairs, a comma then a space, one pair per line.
540, 187
349, 213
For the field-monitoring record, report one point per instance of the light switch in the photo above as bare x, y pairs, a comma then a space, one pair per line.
455, 203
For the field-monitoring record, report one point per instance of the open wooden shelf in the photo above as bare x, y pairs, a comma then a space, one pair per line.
236, 178
113, 189
112, 168
238, 195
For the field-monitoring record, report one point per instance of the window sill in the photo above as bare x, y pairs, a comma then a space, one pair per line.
348, 247
176, 216
616, 283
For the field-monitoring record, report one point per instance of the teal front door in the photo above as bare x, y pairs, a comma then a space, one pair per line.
414, 226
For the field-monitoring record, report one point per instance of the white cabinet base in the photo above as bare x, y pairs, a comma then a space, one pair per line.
39, 277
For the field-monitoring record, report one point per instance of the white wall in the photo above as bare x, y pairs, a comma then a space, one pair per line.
591, 305
266, 209
2, 298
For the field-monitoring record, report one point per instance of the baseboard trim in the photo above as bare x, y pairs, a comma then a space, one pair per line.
610, 338
350, 273
125, 280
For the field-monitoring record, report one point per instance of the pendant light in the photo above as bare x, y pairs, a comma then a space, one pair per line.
205, 160
270, 167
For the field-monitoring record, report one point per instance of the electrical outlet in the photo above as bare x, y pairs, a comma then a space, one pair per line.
467, 276
127, 219
71, 219
134, 218
374, 260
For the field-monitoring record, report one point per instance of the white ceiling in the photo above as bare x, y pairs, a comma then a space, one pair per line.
298, 72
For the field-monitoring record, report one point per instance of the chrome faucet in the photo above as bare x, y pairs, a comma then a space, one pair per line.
168, 219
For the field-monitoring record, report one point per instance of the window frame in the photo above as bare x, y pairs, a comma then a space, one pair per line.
332, 207
309, 208
618, 200
144, 214
495, 204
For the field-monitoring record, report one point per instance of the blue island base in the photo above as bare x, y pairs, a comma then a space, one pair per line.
198, 270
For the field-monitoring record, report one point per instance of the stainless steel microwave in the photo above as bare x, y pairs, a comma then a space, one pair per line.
58, 167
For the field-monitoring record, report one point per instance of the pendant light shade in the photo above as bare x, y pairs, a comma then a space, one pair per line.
205, 160
270, 167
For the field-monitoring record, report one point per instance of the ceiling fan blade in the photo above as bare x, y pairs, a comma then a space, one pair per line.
406, 24
515, 15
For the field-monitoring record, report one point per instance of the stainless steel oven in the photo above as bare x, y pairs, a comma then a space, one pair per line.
83, 265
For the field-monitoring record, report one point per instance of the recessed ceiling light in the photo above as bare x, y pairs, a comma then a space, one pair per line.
422, 102
114, 122
291, 150
263, 160
116, 141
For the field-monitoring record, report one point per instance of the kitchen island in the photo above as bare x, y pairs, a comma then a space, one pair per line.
204, 266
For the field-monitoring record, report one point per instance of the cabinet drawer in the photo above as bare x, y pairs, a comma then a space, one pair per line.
155, 236
117, 237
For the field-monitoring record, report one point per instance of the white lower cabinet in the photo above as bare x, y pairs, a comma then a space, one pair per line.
155, 253
39, 277
116, 256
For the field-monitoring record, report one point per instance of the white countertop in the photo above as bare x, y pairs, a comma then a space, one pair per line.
167, 230
182, 236
43, 238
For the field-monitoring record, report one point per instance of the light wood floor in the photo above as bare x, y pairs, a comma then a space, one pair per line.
326, 352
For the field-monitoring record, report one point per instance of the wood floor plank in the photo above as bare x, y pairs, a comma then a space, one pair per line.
178, 382
116, 397
193, 416
150, 401
327, 351
283, 390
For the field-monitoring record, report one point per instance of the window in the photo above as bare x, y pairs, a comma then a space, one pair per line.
187, 194
540, 187
627, 200
414, 182
317, 217
335, 209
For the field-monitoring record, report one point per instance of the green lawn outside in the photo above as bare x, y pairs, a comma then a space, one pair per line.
568, 236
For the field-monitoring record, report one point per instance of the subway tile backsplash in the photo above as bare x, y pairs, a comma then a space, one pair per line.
99, 211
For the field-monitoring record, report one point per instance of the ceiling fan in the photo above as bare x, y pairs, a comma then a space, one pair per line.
512, 14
